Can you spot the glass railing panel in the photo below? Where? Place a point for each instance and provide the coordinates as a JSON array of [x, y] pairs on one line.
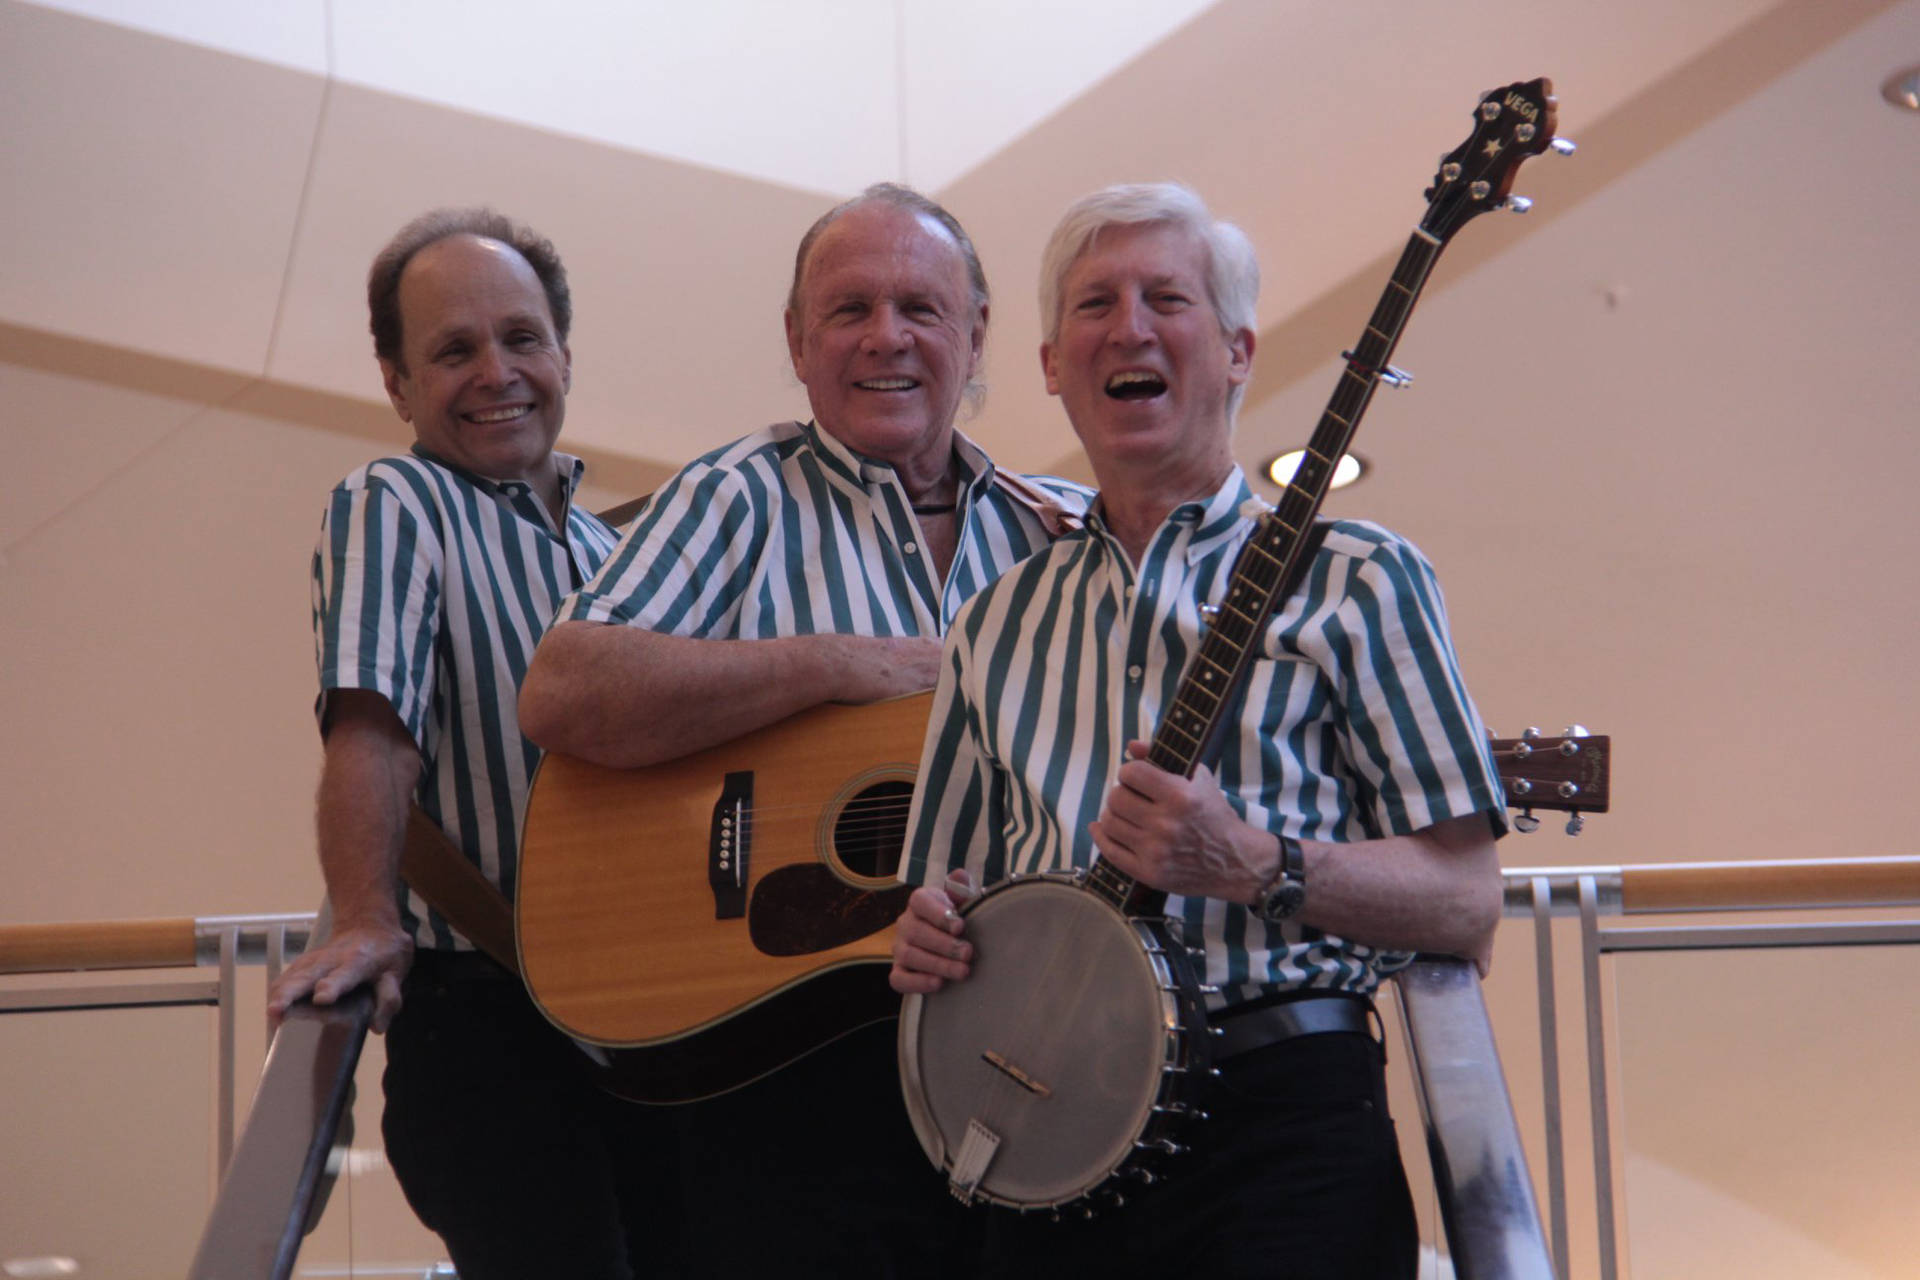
[[106, 1133], [1764, 1137]]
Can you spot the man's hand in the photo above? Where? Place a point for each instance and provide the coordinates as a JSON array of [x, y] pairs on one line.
[[1180, 834], [928, 951], [380, 954]]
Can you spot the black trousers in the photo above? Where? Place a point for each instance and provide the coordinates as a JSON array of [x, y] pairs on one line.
[[1296, 1175], [814, 1171], [504, 1146]]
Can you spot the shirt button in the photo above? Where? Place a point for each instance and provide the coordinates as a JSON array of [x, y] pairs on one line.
[[1134, 673], [912, 548]]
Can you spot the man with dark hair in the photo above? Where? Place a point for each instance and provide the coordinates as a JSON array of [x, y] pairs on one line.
[[808, 563], [1349, 818], [433, 575]]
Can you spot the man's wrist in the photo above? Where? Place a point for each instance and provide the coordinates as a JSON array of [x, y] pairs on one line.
[[1285, 891]]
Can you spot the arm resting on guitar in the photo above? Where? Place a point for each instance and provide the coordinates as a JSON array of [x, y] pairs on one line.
[[625, 696], [1437, 889], [366, 788]]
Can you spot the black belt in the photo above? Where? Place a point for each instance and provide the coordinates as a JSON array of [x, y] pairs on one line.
[[1239, 1031]]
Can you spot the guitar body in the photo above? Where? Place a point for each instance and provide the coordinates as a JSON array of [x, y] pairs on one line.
[[710, 919], [1068, 1057]]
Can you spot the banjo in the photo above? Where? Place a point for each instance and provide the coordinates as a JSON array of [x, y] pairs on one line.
[[1072, 1057]]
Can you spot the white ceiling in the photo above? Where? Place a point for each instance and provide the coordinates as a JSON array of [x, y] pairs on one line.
[[874, 79]]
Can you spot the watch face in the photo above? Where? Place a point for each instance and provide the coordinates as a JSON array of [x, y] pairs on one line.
[[1283, 900]]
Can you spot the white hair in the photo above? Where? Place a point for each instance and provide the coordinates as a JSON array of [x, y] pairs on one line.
[[1233, 271]]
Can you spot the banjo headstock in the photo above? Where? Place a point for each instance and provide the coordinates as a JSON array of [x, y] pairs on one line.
[[1510, 126]]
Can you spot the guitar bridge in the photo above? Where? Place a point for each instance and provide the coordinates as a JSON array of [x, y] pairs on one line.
[[730, 846]]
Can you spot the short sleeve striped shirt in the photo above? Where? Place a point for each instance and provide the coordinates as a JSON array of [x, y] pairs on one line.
[[788, 532], [431, 587], [1357, 723]]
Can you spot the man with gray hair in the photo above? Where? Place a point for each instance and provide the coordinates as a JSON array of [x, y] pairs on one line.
[[809, 563], [1347, 821]]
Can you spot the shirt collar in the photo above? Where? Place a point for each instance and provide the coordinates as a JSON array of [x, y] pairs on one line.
[[971, 461], [1211, 520], [571, 469]]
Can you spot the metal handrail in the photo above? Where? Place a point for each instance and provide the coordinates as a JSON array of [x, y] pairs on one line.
[[1591, 892], [277, 1183], [1480, 1177]]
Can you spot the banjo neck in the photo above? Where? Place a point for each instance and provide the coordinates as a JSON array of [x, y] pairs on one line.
[[1511, 124]]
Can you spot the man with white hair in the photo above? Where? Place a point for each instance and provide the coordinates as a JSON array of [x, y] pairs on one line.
[[1348, 820]]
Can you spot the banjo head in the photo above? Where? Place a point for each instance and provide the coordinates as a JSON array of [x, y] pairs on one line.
[[1031, 1082]]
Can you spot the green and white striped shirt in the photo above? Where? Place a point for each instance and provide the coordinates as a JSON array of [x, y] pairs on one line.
[[788, 532], [1356, 723], [431, 587]]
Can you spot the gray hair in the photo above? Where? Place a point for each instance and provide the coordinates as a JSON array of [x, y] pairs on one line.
[[899, 197], [1233, 271]]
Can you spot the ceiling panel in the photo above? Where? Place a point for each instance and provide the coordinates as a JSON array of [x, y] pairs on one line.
[[156, 183]]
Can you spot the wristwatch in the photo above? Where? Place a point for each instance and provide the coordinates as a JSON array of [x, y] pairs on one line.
[[1283, 895]]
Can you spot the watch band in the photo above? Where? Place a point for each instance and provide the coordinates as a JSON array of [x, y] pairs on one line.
[[1284, 895]]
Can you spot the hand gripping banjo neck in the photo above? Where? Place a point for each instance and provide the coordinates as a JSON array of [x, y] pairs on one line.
[[1072, 1059]]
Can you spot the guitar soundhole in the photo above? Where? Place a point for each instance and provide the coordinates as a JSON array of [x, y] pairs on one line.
[[871, 830]]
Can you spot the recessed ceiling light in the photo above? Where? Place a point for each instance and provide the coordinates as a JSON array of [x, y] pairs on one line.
[[1349, 469], [40, 1268], [1902, 89]]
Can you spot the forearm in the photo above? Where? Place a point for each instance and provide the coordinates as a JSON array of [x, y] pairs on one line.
[[365, 794], [1437, 890], [626, 696], [366, 791]]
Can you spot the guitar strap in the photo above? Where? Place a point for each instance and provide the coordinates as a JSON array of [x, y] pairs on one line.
[[453, 886]]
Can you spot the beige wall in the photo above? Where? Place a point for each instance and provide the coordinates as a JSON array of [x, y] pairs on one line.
[[1661, 448]]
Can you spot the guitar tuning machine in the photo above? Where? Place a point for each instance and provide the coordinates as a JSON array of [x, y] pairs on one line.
[[1526, 824], [1576, 823], [1396, 378], [1563, 146], [1516, 204]]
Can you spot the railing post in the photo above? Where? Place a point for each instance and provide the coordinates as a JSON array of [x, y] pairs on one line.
[[1597, 1077], [1550, 1070], [224, 1067]]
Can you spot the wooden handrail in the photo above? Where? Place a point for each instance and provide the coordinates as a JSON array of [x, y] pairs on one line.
[[1642, 888], [1747, 886], [1849, 882], [98, 944]]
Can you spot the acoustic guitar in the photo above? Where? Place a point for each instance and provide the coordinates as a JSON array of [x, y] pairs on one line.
[[711, 919]]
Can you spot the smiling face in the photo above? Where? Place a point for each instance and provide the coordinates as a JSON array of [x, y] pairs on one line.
[[1140, 362], [482, 376], [887, 334]]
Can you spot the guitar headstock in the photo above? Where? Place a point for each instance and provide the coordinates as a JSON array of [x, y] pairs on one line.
[[1509, 126], [1568, 773]]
